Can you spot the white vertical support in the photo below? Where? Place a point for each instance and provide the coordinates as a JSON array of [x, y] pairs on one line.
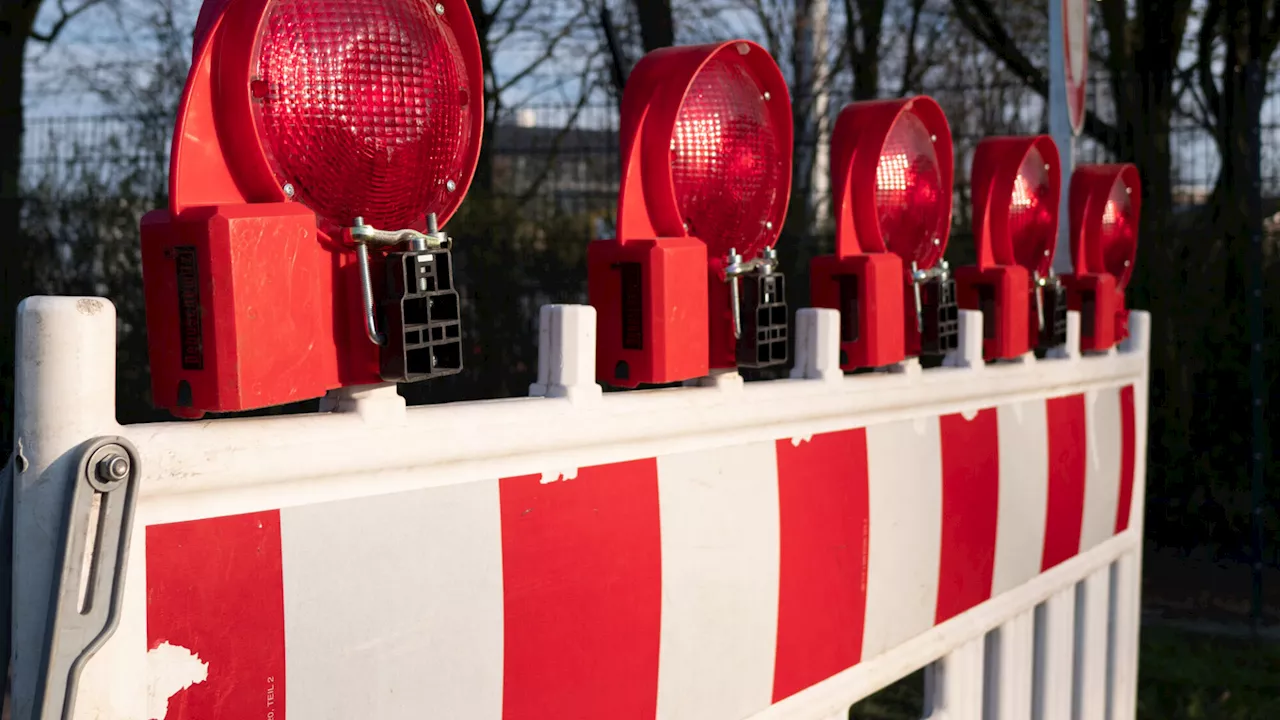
[[1070, 350], [1055, 653], [817, 345], [380, 404], [567, 353], [1125, 622], [64, 386], [1092, 624], [1010, 659], [968, 352], [954, 684], [1139, 339]]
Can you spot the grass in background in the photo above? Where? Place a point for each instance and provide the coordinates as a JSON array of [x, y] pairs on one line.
[[1190, 676], [1182, 675]]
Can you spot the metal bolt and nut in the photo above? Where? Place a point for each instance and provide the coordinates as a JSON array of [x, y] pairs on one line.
[[288, 190], [113, 468], [109, 467]]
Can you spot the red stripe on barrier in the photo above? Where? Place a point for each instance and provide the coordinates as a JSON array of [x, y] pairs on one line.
[[970, 507], [1065, 508], [214, 588], [1128, 457], [582, 575], [822, 584]]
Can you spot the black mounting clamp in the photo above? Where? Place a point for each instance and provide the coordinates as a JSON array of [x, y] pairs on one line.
[[419, 304], [937, 313], [1051, 305], [758, 286]]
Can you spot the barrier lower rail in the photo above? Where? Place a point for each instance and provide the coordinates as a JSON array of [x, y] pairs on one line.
[[723, 550]]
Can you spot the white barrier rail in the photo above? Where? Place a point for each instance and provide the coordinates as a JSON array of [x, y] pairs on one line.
[[726, 550]]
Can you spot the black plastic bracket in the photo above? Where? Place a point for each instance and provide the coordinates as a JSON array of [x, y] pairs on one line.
[[939, 316], [1054, 331], [422, 317], [764, 320]]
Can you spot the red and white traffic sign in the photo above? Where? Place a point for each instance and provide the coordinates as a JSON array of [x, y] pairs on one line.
[[1075, 43]]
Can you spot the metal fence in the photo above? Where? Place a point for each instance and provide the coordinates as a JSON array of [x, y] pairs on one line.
[[564, 158]]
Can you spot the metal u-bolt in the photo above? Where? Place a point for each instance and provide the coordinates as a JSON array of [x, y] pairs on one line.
[[732, 270], [1040, 284], [918, 276], [366, 290]]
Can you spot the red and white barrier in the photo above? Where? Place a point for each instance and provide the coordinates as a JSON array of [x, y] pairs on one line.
[[762, 550]]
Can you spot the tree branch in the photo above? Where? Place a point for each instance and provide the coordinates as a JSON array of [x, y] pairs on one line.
[[1204, 62], [557, 143], [912, 58], [979, 18], [65, 17], [548, 52], [1271, 38]]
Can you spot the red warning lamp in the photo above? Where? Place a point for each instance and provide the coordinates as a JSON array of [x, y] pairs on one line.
[[1016, 184], [1106, 204], [691, 282], [892, 171], [320, 146]]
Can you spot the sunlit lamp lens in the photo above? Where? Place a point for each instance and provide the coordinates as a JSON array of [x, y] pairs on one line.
[[1031, 222], [1119, 232], [362, 107], [726, 163], [910, 203]]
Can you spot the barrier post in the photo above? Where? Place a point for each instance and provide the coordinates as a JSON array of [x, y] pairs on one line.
[[65, 394]]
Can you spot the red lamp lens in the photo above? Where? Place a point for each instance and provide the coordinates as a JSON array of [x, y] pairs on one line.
[[726, 165], [1032, 226], [362, 107], [1119, 233], [910, 200]]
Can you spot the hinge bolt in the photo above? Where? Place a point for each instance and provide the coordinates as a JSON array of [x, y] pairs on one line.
[[113, 469]]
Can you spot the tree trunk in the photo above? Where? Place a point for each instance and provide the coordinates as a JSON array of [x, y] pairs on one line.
[[864, 56], [15, 275], [482, 181], [657, 29]]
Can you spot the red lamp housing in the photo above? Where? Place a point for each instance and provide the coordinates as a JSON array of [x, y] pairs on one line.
[[892, 170], [1106, 204], [706, 137], [301, 119], [1016, 184]]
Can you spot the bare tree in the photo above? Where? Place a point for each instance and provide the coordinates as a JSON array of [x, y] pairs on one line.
[[530, 48], [18, 29]]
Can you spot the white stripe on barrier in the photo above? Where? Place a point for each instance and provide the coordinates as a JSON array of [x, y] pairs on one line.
[[393, 605], [1024, 494], [719, 515], [1102, 472], [904, 480]]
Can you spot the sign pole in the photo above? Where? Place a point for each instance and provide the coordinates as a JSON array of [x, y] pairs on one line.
[[1060, 128]]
